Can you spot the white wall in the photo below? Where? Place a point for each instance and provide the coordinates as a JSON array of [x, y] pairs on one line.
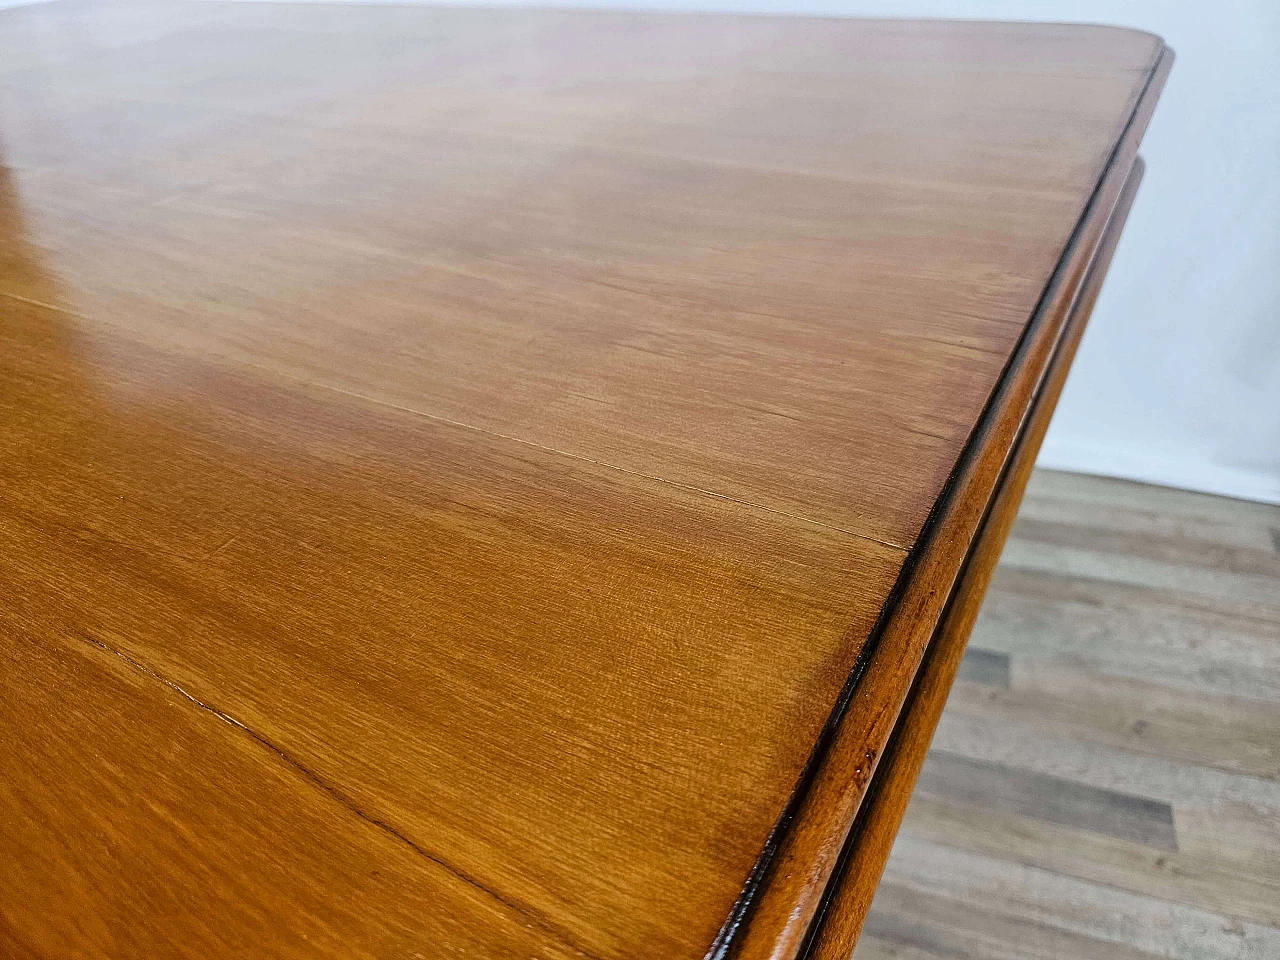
[[1178, 380]]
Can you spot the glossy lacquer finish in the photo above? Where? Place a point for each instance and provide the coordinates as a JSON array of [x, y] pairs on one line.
[[452, 460]]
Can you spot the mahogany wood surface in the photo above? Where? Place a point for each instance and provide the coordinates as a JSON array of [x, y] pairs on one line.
[[471, 480]]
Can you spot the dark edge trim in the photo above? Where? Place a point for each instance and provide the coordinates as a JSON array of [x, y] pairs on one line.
[[726, 939], [892, 744]]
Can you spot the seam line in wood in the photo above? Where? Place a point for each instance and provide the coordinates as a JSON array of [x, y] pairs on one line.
[[340, 797]]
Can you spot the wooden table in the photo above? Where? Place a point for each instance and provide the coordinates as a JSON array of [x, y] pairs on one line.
[[512, 484]]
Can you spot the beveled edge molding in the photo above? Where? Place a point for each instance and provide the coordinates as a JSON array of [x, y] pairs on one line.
[[836, 928], [776, 917]]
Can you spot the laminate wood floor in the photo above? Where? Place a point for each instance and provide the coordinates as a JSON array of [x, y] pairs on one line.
[[1105, 781]]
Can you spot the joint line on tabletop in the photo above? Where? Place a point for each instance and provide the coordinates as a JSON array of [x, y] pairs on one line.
[[328, 788], [692, 488], [41, 303]]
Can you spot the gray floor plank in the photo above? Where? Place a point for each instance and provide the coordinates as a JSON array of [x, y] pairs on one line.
[[1105, 781]]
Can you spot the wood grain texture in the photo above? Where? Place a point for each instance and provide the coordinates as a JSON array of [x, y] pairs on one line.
[[1103, 660], [872, 837], [379, 599], [502, 428], [138, 824], [632, 252], [784, 916]]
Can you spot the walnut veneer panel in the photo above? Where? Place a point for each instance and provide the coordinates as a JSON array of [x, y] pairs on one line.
[[691, 247], [452, 460]]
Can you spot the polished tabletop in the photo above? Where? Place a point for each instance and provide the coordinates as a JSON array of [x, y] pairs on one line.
[[451, 459]]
